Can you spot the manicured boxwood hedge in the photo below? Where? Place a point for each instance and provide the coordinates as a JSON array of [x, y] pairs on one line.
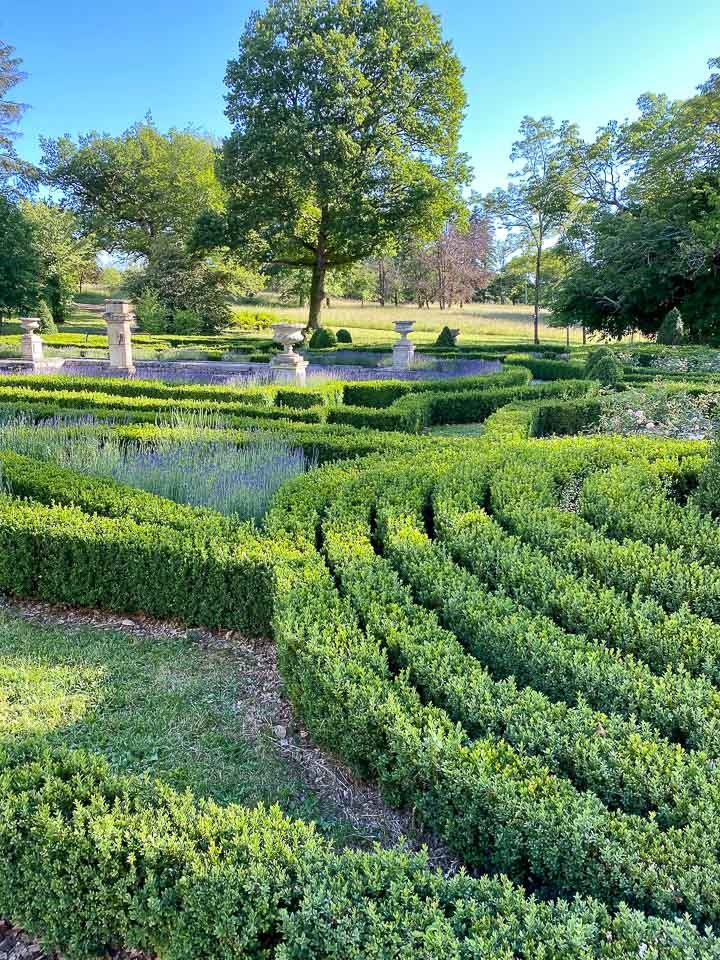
[[62, 554], [503, 810], [95, 401], [544, 369], [530, 746], [629, 766], [323, 395], [381, 393], [126, 862], [417, 411]]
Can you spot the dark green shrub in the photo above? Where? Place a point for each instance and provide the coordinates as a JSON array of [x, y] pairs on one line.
[[322, 339], [671, 331], [47, 324], [447, 338], [603, 365], [344, 336]]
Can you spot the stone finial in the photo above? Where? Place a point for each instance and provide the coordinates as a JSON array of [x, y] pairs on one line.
[[289, 367]]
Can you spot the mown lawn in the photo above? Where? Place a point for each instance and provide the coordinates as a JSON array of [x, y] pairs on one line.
[[161, 706]]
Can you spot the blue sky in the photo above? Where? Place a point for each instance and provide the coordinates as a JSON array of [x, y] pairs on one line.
[[102, 66]]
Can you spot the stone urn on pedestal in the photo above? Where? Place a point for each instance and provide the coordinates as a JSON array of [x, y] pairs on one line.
[[118, 320], [31, 345], [289, 367], [404, 349]]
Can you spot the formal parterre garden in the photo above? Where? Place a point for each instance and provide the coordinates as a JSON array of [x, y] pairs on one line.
[[496, 599]]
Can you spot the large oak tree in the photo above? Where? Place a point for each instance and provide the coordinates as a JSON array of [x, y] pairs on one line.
[[346, 117]]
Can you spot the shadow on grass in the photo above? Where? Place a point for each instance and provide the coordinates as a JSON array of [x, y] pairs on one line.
[[161, 706]]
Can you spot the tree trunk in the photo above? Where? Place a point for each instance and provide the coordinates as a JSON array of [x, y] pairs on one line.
[[567, 338], [584, 335], [317, 286], [536, 321]]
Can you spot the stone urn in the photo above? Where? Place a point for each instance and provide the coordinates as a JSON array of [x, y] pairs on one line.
[[289, 367], [404, 349]]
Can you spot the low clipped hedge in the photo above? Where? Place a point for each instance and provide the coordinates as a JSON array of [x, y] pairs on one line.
[[502, 809], [61, 554], [129, 863], [381, 393], [322, 395], [416, 411], [629, 766], [95, 401], [525, 499], [544, 369]]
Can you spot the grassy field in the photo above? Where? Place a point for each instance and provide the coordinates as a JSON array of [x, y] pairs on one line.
[[373, 325], [478, 323]]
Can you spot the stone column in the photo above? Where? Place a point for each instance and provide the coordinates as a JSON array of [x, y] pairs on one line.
[[31, 345], [289, 367], [118, 319], [404, 349]]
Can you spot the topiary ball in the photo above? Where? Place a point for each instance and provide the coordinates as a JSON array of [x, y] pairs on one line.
[[322, 339], [343, 336]]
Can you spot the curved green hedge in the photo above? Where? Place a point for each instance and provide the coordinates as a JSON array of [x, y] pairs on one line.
[[451, 626]]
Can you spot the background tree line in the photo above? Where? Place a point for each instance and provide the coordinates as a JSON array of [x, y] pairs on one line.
[[342, 177]]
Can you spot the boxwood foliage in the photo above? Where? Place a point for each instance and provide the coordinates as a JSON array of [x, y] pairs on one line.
[[128, 862], [498, 806], [449, 624], [417, 410], [60, 553]]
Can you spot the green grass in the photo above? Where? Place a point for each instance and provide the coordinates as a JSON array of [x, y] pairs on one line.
[[478, 322], [162, 707]]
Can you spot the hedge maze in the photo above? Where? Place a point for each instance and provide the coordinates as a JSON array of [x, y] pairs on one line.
[[515, 636]]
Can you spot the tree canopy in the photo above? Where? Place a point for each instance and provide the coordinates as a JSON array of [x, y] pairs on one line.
[[346, 117], [14, 172], [137, 189], [649, 237], [63, 254], [19, 265], [541, 196]]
